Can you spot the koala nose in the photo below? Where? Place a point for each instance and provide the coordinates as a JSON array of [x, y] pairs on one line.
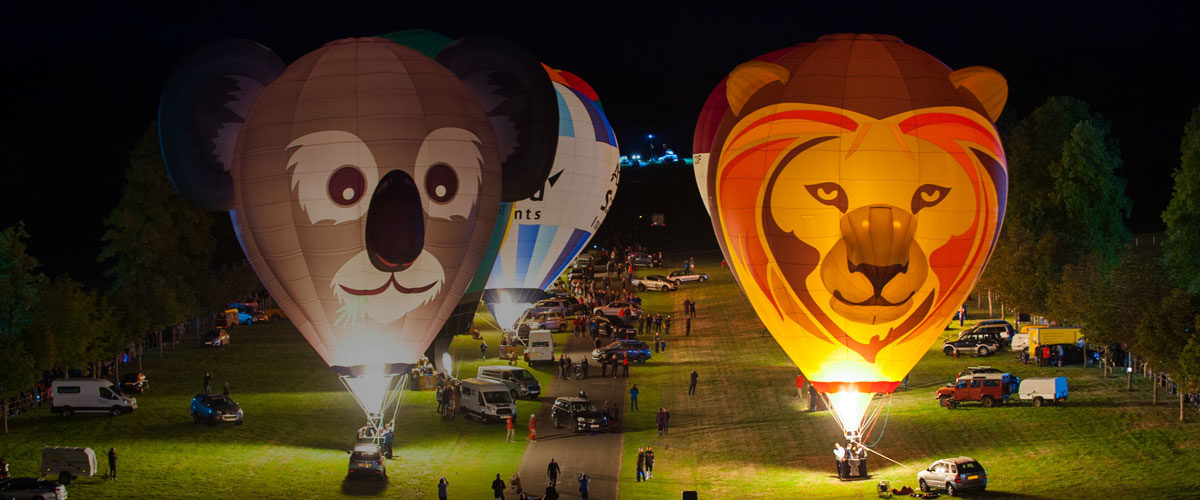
[[877, 239], [395, 232]]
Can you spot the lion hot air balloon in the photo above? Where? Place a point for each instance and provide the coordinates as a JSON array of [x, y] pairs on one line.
[[857, 185], [363, 180]]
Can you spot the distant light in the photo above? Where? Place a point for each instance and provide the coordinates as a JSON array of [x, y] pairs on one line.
[[651, 136]]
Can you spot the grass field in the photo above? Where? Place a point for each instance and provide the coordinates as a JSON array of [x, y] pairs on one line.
[[745, 434], [299, 423]]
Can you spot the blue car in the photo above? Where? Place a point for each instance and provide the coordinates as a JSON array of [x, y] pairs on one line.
[[214, 408]]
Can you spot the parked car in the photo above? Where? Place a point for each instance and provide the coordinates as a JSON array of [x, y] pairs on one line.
[[635, 350], [134, 383], [654, 282], [518, 380], [248, 314], [955, 475], [612, 327], [21, 488], [89, 395], [1042, 391], [976, 370], [216, 338], [981, 344], [366, 458], [989, 389], [274, 314], [552, 304], [614, 308], [549, 320], [68, 462], [572, 304], [682, 276], [541, 347], [998, 326], [579, 414], [214, 408], [644, 260], [487, 400]]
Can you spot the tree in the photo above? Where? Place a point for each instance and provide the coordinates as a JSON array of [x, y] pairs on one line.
[[67, 333], [157, 247], [19, 283], [1182, 215], [1089, 197]]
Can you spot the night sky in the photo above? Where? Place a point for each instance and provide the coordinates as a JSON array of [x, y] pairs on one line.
[[81, 84]]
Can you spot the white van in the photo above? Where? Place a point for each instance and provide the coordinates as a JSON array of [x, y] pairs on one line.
[[1043, 390], [541, 347], [518, 380], [88, 395], [68, 462], [1020, 342], [487, 400]]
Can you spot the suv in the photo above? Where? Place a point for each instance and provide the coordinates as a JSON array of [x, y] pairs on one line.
[[997, 326], [548, 320], [635, 350], [954, 475], [367, 459], [578, 413], [213, 408], [988, 388], [980, 343]]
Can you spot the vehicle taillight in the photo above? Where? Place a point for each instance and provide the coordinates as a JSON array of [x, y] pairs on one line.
[[959, 478]]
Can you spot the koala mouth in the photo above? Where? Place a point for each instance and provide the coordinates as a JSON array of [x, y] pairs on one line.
[[391, 282]]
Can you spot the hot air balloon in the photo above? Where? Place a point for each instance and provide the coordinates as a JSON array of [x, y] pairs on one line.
[[551, 227], [363, 180], [518, 96], [857, 185]]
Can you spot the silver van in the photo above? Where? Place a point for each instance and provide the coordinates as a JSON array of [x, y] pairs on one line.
[[518, 380], [487, 400]]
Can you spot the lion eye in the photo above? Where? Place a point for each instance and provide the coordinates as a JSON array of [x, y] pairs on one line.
[[829, 193], [928, 195]]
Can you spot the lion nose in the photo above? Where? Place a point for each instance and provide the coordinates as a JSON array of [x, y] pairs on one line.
[[395, 232], [878, 238]]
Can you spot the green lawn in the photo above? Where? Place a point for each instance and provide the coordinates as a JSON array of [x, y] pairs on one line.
[[299, 424], [745, 434]]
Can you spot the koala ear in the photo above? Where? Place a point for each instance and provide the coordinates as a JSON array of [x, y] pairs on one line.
[[986, 84], [203, 106], [516, 93], [747, 78]]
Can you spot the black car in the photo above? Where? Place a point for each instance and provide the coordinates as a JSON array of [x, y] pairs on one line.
[[579, 414], [31, 487], [611, 326], [980, 343], [635, 350]]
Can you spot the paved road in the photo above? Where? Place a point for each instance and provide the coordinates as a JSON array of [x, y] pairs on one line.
[[599, 455]]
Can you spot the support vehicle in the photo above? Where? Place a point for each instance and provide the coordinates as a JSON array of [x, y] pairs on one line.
[[578, 414], [487, 400], [68, 462], [88, 395], [366, 459], [518, 380], [541, 347], [1041, 391], [989, 389], [955, 475]]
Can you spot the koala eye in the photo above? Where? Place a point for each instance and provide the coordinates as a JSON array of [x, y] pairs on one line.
[[829, 193], [441, 183], [927, 196], [347, 185]]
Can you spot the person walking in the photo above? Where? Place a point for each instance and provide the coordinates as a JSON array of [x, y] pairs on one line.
[[508, 424], [583, 366], [443, 484], [662, 345], [584, 481], [641, 465], [553, 470], [498, 487], [687, 326], [625, 366], [533, 420], [667, 325], [483, 350], [207, 383], [649, 463], [692, 385], [660, 421], [633, 393], [112, 463]]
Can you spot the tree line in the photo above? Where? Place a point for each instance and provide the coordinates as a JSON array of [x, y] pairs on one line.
[[166, 262], [1067, 255]]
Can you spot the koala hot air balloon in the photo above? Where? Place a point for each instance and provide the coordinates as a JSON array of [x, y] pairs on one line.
[[857, 185], [363, 181]]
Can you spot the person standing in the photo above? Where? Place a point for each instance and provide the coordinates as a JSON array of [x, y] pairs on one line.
[[498, 487], [533, 420], [839, 460], [641, 465], [695, 377], [583, 366], [584, 481], [625, 366], [443, 484], [649, 463], [603, 366], [656, 344], [633, 394], [388, 435], [667, 325], [4, 474], [553, 470], [660, 421], [207, 383], [112, 463], [508, 424], [687, 326], [225, 391], [662, 346], [800, 385], [482, 349]]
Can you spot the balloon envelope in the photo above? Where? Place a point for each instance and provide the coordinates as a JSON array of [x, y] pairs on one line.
[[857, 185]]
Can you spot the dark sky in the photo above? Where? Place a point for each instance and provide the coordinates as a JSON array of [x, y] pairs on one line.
[[81, 84]]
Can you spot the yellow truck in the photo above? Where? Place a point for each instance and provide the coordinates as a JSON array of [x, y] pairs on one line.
[[1051, 335]]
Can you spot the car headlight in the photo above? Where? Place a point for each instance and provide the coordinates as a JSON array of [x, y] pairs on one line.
[[580, 419]]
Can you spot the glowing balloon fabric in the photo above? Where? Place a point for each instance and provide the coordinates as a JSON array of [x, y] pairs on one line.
[[552, 226], [365, 185], [857, 185]]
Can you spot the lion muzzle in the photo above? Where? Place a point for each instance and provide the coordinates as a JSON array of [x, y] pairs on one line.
[[876, 267]]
